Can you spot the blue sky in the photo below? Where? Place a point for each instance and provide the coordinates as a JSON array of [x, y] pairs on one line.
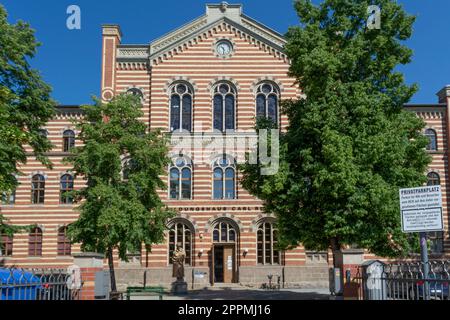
[[69, 60]]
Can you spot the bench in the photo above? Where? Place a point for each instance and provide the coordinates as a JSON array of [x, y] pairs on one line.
[[145, 291]]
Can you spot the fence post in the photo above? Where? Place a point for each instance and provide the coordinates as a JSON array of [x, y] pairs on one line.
[[89, 263]]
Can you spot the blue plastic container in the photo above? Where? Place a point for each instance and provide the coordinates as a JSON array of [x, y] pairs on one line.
[[17, 284]]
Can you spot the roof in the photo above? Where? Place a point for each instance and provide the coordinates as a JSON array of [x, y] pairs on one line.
[[425, 105], [216, 14]]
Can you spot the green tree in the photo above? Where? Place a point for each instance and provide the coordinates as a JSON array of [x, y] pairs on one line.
[[25, 105], [350, 145], [121, 163]]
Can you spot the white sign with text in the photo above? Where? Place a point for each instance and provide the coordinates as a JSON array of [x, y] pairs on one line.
[[421, 209]]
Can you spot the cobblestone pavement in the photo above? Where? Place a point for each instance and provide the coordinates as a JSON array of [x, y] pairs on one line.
[[243, 293]]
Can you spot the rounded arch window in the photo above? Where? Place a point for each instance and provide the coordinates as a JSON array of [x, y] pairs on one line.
[[6, 245], [64, 245], [267, 241], [432, 140], [129, 166], [35, 242], [68, 140], [224, 231], [37, 189], [181, 99], [224, 106], [224, 178], [267, 101], [43, 133], [433, 179], [180, 178], [136, 92], [180, 233], [66, 185]]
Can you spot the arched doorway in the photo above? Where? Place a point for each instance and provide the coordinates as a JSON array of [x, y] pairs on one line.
[[225, 235]]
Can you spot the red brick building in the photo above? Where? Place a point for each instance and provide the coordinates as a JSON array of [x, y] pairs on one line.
[[212, 75]]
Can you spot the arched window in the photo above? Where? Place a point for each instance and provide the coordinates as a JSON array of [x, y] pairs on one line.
[[267, 96], [8, 198], [224, 232], [35, 242], [224, 106], [267, 239], [68, 140], [66, 185], [37, 189], [6, 245], [64, 248], [181, 97], [136, 92], [43, 133], [431, 135], [224, 184], [433, 179], [128, 166], [181, 234], [180, 178]]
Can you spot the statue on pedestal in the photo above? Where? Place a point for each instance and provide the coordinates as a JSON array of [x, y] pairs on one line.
[[179, 286], [178, 263]]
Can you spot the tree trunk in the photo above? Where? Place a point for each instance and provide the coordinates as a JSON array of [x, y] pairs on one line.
[[111, 271], [335, 247]]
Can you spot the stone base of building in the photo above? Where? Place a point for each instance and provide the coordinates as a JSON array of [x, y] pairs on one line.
[[196, 278], [304, 277]]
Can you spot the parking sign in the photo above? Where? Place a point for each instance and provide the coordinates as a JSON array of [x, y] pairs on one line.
[[421, 209]]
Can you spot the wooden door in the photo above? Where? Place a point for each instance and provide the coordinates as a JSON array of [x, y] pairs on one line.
[[228, 264]]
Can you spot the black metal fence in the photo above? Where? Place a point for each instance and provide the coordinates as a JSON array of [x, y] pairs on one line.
[[404, 281], [38, 284]]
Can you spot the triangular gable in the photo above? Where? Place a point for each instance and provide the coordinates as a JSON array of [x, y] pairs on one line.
[[188, 35], [218, 17]]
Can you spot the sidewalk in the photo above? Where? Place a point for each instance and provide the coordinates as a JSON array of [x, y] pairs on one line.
[[244, 293]]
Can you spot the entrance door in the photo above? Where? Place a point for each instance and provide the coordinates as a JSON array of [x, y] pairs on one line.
[[223, 263], [228, 266]]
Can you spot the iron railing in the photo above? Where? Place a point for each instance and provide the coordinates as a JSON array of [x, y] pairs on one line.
[[404, 281], [37, 284]]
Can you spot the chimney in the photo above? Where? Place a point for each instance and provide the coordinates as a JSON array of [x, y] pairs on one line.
[[111, 38]]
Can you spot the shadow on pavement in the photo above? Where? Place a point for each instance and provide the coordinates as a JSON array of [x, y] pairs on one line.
[[249, 294]]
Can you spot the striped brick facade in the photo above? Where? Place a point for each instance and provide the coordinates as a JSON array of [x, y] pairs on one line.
[[188, 55]]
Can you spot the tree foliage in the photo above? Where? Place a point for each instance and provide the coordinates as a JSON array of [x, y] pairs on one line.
[[118, 212], [25, 105], [350, 145]]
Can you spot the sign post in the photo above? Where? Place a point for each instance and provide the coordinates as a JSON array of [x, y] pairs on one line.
[[421, 210], [424, 258]]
